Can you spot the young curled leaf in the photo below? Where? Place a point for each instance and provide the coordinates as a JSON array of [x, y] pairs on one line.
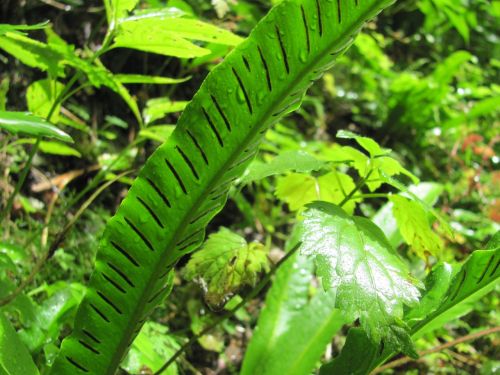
[[225, 264]]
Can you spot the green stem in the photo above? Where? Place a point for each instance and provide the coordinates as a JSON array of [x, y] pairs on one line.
[[22, 178], [358, 186], [368, 196], [229, 313]]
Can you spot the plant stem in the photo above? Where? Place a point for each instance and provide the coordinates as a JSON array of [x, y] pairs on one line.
[[449, 344], [229, 313], [358, 186], [22, 178]]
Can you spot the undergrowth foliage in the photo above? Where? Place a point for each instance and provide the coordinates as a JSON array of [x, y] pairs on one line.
[[384, 270]]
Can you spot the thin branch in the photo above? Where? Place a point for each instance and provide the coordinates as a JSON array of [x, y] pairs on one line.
[[449, 344], [229, 313], [358, 186]]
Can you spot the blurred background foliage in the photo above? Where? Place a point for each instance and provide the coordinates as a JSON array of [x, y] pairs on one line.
[[422, 79]]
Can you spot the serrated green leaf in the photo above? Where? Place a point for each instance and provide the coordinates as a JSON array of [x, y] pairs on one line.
[[415, 228], [296, 161], [28, 124], [14, 357], [398, 185], [5, 27], [300, 189], [40, 97], [355, 259], [33, 53], [226, 263]]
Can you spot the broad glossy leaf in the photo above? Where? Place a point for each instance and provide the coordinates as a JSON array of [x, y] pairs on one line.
[[301, 346], [224, 264], [300, 189], [28, 124], [296, 161], [354, 258], [356, 357], [285, 299], [291, 320], [40, 97], [415, 228], [185, 182], [14, 357]]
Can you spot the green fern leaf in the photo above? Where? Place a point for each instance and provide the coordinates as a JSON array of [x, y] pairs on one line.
[[185, 182]]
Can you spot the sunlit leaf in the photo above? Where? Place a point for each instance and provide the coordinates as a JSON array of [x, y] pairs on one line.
[[159, 107], [5, 27], [300, 189], [415, 228], [428, 192], [58, 148], [477, 277], [159, 133], [355, 259], [33, 53], [41, 96], [296, 161], [168, 34]]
